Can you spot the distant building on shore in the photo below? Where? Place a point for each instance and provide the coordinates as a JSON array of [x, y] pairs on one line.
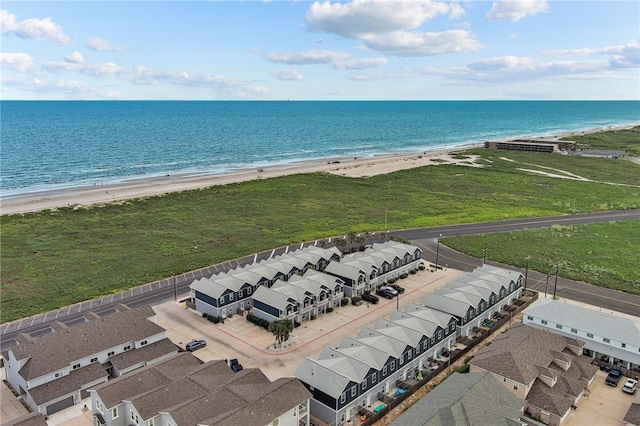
[[532, 145]]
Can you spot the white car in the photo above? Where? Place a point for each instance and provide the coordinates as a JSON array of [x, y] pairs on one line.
[[629, 386]]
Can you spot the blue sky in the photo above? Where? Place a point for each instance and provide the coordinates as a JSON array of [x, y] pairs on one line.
[[324, 50]]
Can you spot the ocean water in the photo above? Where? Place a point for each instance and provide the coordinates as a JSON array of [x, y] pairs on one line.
[[53, 144]]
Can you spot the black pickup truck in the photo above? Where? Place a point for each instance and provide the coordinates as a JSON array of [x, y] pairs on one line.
[[613, 378]]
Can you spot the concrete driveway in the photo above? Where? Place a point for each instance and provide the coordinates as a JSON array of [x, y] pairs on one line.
[[605, 405]]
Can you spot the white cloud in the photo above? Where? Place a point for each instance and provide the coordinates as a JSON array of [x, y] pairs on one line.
[[362, 64], [22, 62], [100, 44], [139, 75], [515, 10], [620, 56], [290, 74], [339, 60], [33, 28], [514, 69], [403, 43], [74, 58], [360, 18], [392, 26], [310, 57]]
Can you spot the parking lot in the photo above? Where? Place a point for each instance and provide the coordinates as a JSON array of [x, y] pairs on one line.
[[604, 405], [253, 346]]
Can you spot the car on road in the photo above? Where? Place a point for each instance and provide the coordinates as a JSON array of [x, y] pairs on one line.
[[629, 386], [613, 377], [387, 292], [371, 298], [195, 345], [397, 288]]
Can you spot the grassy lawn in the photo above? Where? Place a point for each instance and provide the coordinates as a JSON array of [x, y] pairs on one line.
[[56, 258], [604, 254]]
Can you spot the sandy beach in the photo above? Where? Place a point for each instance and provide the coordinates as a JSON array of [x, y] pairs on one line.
[[356, 167], [137, 188]]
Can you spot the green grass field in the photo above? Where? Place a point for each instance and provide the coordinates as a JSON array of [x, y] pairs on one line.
[[55, 258], [604, 254]]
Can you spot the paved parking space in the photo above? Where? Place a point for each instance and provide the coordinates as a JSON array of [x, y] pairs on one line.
[[605, 405], [253, 346]]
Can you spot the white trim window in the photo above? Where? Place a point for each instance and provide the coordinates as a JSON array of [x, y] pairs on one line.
[[114, 413]]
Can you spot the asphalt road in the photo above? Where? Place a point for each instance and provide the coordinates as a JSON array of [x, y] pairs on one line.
[[425, 238]]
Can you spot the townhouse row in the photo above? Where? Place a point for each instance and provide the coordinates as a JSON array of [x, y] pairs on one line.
[[302, 284], [362, 372]]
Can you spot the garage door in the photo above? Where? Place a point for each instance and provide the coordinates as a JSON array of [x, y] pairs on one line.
[[60, 405]]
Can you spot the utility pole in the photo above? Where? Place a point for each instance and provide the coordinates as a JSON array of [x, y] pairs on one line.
[[484, 256], [526, 272], [398, 301], [546, 286], [175, 287], [437, 250], [555, 285]]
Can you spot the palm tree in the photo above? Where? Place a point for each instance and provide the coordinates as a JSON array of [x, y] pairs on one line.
[[281, 329]]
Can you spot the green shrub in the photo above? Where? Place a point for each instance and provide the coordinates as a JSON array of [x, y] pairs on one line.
[[258, 321]]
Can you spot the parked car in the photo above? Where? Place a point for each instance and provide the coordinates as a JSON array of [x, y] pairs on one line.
[[397, 288], [195, 345], [386, 292], [235, 365], [630, 386], [613, 378], [371, 298]]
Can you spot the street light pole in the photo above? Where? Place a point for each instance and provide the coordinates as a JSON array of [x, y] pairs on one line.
[[546, 286], [437, 250], [175, 288], [398, 301], [526, 272], [555, 284]]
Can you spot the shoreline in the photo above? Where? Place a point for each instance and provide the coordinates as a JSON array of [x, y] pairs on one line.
[[81, 196], [141, 187]]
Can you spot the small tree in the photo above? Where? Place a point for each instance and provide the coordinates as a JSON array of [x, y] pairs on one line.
[[281, 329]]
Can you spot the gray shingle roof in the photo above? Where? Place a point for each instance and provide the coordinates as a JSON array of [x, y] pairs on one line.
[[145, 353], [524, 353], [60, 349], [343, 270], [147, 379], [428, 314], [633, 414], [315, 373], [397, 331], [205, 394], [367, 354], [516, 353], [68, 384], [273, 298], [464, 399], [446, 303]]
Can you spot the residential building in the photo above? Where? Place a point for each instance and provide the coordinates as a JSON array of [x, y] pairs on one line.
[[355, 377], [465, 400], [612, 339], [357, 373], [367, 270], [231, 292], [477, 296], [184, 391], [632, 416], [544, 368], [55, 371]]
